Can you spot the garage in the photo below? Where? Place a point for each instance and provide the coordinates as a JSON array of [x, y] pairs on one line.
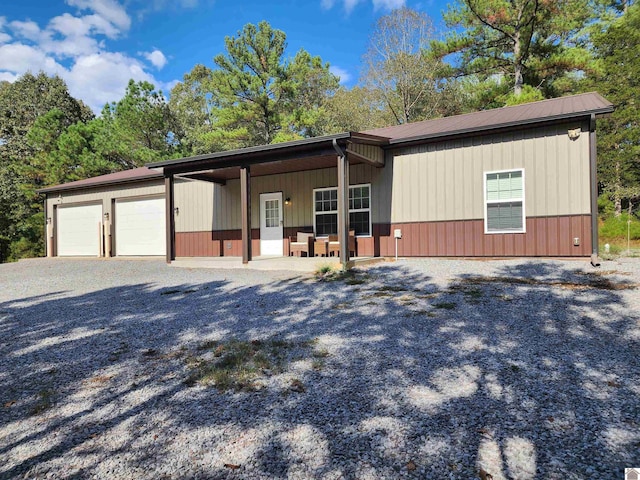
[[140, 226], [79, 229]]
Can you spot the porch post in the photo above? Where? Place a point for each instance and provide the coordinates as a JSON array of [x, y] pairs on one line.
[[170, 219], [343, 208], [245, 202]]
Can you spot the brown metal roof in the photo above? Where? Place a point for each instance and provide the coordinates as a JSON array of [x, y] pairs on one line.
[[312, 152], [125, 176], [573, 106]]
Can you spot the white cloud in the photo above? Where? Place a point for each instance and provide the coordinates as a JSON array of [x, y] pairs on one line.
[[341, 73], [156, 58], [74, 47], [17, 58], [110, 10], [29, 30], [388, 4], [8, 77], [349, 5], [103, 77]]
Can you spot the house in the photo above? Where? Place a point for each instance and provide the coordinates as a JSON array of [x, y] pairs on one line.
[[514, 181]]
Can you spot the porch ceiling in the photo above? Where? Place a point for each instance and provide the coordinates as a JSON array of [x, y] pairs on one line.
[[299, 155], [221, 175]]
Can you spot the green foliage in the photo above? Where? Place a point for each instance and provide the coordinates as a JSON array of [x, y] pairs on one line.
[[192, 105], [400, 70], [606, 207], [137, 129], [355, 110], [24, 101], [528, 94], [253, 96], [34, 111], [617, 77], [616, 227], [534, 42], [30, 241]]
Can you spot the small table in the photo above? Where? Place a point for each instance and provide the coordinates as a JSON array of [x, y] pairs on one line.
[[320, 247]]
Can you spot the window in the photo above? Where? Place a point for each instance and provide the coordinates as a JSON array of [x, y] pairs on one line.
[[504, 202], [272, 213], [325, 210]]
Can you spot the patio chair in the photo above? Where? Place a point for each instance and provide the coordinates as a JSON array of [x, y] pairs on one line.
[[301, 243], [334, 244]]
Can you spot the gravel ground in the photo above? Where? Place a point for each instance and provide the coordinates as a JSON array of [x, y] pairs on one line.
[[430, 369]]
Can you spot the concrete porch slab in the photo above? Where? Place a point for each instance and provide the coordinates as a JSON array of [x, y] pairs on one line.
[[292, 264]]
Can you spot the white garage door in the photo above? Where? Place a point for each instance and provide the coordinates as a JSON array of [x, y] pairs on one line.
[[140, 227], [79, 230]]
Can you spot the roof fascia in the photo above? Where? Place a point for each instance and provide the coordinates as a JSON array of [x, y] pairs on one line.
[[69, 187], [500, 126]]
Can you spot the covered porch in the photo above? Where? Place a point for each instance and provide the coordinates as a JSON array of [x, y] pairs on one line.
[[264, 195]]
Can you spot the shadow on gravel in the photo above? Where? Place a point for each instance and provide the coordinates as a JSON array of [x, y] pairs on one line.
[[521, 379]]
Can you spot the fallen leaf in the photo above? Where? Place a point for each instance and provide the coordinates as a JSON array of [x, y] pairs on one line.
[[613, 383], [411, 466], [484, 431], [9, 403], [551, 419], [232, 466], [485, 475]]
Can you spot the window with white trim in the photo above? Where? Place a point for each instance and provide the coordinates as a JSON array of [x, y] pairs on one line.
[[325, 210], [504, 201]]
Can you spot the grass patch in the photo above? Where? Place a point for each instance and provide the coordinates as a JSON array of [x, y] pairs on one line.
[[592, 282], [237, 365], [354, 277], [392, 288], [446, 305], [328, 272]]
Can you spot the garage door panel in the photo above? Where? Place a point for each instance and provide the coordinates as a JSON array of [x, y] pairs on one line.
[[140, 227], [79, 230]]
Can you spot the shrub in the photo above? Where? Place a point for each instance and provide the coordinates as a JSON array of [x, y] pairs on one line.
[[616, 227]]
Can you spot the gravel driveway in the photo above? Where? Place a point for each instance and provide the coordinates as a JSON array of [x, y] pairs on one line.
[[417, 369]]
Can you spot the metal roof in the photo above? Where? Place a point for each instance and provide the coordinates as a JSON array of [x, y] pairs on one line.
[[274, 149], [125, 176], [562, 108]]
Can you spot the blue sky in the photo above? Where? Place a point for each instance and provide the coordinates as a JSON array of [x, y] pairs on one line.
[[96, 46]]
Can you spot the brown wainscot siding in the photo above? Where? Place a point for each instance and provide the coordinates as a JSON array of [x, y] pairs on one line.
[[225, 243], [545, 237]]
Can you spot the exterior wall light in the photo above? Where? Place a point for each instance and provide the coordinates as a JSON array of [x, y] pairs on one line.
[[106, 216], [287, 201], [574, 133], [48, 220], [176, 210]]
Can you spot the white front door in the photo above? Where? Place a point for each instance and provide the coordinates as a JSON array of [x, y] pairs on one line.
[[271, 229]]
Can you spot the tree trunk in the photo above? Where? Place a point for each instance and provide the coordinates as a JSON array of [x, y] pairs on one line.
[[617, 198], [518, 81]]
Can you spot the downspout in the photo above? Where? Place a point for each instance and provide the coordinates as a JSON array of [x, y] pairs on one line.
[[337, 148], [594, 191]]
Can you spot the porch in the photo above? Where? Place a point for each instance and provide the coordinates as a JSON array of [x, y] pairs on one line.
[[262, 196]]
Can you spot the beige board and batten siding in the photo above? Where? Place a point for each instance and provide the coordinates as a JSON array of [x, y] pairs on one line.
[[444, 181], [105, 194], [204, 206]]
